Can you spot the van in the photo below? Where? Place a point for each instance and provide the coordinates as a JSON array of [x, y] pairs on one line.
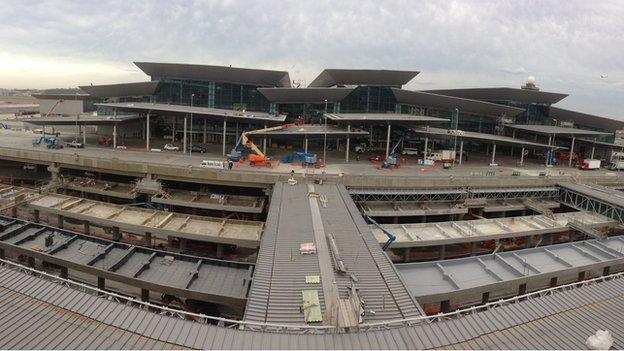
[[211, 164]]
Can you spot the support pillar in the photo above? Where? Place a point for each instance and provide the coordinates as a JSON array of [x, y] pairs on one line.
[[522, 157], [593, 149], [461, 151], [522, 289], [528, 240], [442, 252], [101, 283], [87, 227], [36, 215], [205, 136], [348, 142], [115, 136], [184, 137], [606, 270], [147, 132], [116, 234], [183, 245], [445, 306], [2, 254], [388, 140], [173, 130], [223, 141], [581, 276], [264, 142], [14, 212], [148, 239], [473, 248], [485, 297], [425, 151], [549, 150], [571, 152], [219, 250], [553, 282], [305, 145], [493, 154], [145, 295], [64, 273], [370, 136], [84, 135], [407, 254], [61, 219]]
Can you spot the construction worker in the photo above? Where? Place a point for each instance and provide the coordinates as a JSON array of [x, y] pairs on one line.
[[230, 164]]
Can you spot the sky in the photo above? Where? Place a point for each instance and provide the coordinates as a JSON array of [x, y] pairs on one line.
[[573, 47]]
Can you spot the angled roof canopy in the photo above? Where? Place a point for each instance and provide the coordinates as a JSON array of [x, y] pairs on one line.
[[333, 77], [503, 94], [421, 98], [555, 130], [313, 130], [124, 89], [87, 120], [305, 95], [586, 119], [480, 137], [224, 74], [205, 112]]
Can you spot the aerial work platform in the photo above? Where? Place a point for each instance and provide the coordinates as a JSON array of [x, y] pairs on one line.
[[203, 279], [211, 201], [159, 224], [457, 232], [463, 277], [347, 255]]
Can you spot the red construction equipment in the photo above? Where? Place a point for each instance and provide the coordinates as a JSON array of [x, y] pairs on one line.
[[103, 140]]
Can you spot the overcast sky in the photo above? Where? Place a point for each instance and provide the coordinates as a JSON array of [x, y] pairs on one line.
[[566, 45]]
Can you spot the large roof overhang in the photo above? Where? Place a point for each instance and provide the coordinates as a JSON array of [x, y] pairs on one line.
[[45, 96], [382, 77], [394, 118], [480, 137], [586, 119], [503, 94], [201, 112], [312, 130], [259, 77], [555, 130], [421, 98], [88, 120], [305, 95], [124, 89]]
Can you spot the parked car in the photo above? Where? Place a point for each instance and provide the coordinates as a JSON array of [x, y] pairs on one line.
[[198, 148], [171, 147], [76, 144]]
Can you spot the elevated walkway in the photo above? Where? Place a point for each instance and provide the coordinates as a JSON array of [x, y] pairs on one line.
[[348, 261]]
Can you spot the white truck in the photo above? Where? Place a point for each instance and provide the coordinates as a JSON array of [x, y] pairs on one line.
[[589, 164], [616, 165]]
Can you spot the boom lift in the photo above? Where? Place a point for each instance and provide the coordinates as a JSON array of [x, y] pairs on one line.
[[60, 101], [391, 160]]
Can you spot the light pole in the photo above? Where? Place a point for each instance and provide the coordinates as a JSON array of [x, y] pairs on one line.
[[191, 141], [325, 135], [456, 125]]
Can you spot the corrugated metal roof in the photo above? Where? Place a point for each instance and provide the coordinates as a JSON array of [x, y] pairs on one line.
[[382, 77], [503, 94], [421, 98], [223, 74], [586, 119], [561, 320], [123, 89]]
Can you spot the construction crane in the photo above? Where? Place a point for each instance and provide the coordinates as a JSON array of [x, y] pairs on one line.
[[60, 101], [257, 158]]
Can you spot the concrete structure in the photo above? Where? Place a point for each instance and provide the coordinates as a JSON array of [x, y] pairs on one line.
[[600, 199], [159, 224], [98, 187], [211, 201], [466, 280], [64, 104]]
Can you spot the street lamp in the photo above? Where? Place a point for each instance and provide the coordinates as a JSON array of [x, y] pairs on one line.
[[191, 131], [325, 136]]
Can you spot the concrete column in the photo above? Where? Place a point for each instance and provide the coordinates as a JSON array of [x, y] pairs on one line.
[[493, 154], [64, 273], [571, 152], [305, 144], [426, 144], [593, 149], [407, 253], [115, 136], [528, 241], [264, 142], [553, 282], [147, 132], [84, 135], [116, 234], [522, 157], [442, 252], [461, 151], [513, 136], [549, 150], [144, 295], [101, 283], [173, 130], [522, 289], [370, 136], [61, 219], [205, 130], [224, 134], [348, 142], [473, 248], [87, 227], [388, 141], [183, 245], [219, 250], [184, 137], [148, 239], [36, 215], [445, 306], [485, 297]]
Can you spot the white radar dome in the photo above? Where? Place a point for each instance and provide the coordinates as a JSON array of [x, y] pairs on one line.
[[531, 80]]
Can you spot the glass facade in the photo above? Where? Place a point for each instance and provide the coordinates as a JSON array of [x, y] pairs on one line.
[[211, 94], [312, 113], [369, 99]]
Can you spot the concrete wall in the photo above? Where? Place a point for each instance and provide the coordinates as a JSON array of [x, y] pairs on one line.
[[67, 107]]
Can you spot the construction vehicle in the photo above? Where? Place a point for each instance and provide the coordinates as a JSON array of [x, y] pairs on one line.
[[306, 158], [53, 144], [104, 140], [391, 161], [257, 158], [589, 164], [41, 140], [58, 102]]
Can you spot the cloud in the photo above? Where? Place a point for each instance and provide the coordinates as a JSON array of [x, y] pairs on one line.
[[567, 45]]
